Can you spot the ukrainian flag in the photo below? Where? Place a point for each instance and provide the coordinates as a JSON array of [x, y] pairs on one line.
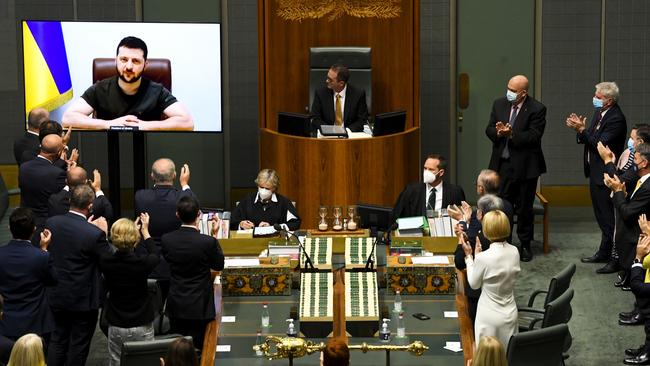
[[47, 75]]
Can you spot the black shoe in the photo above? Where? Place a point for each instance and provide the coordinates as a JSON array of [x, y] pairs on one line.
[[633, 352], [641, 359], [627, 314], [594, 259], [622, 281], [526, 254], [610, 267], [637, 319]]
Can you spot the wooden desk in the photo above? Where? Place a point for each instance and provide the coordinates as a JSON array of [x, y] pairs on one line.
[[316, 172]]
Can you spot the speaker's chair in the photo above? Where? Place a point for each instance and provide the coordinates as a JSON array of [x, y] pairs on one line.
[[158, 70], [356, 59]]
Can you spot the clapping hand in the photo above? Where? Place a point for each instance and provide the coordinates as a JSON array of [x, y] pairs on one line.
[[643, 247], [644, 224], [216, 225], [576, 122], [605, 153], [100, 223], [46, 239], [613, 183], [503, 130], [184, 178]]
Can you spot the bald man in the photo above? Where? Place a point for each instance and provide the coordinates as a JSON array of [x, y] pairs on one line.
[[160, 203], [59, 203], [39, 178], [516, 128], [28, 144]]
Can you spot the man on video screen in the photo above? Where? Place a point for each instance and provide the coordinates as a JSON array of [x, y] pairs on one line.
[[128, 100]]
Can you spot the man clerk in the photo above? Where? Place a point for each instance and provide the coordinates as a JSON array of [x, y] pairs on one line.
[[516, 127]]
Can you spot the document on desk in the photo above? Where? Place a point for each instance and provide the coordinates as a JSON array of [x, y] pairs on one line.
[[434, 259], [241, 262], [453, 346]]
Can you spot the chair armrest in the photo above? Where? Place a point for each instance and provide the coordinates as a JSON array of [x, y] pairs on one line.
[[530, 310], [531, 326], [531, 299], [14, 191], [542, 199]]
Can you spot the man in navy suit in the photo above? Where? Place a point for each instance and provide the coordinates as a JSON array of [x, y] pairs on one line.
[[160, 203], [76, 248], [39, 178], [191, 255], [430, 195], [25, 272], [29, 143], [608, 127], [516, 127], [339, 103], [6, 344]]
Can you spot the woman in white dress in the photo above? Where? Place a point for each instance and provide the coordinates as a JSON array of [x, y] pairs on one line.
[[495, 272]]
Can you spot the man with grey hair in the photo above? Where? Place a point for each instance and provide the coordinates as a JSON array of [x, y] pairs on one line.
[[160, 203], [607, 126], [29, 141]]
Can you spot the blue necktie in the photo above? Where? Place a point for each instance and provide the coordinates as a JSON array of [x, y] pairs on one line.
[[505, 154]]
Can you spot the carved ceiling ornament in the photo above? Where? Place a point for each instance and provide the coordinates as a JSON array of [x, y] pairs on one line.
[[333, 9]]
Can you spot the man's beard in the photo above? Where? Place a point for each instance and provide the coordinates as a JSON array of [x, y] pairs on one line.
[[133, 80]]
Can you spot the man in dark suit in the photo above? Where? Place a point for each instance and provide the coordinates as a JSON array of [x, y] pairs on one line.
[[516, 126], [59, 203], [6, 344], [339, 103], [76, 248], [160, 203], [191, 255], [641, 290], [607, 126], [432, 194], [39, 178], [25, 271], [29, 141], [628, 209]]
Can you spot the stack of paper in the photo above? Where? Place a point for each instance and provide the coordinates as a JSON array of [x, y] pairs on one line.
[[411, 226]]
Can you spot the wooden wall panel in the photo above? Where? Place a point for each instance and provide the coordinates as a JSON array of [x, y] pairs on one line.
[[284, 59]]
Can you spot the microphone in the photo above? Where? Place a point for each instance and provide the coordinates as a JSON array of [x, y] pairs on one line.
[[385, 238], [369, 262], [281, 229]]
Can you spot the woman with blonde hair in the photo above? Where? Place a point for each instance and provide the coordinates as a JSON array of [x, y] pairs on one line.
[[490, 352], [129, 308], [495, 272], [27, 351]]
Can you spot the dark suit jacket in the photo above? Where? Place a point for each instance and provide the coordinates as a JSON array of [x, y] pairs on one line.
[[627, 216], [640, 289], [25, 147], [6, 345], [612, 133], [412, 200], [160, 203], [38, 179], [76, 249], [125, 275], [525, 143], [59, 204], [25, 271], [355, 109], [191, 255]]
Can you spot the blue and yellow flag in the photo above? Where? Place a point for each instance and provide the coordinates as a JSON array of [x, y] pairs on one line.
[[47, 75]]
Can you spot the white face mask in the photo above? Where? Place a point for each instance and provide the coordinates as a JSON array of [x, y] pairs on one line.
[[511, 96], [264, 193], [428, 176]]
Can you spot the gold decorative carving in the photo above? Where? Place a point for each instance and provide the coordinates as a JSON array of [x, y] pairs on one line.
[[333, 9]]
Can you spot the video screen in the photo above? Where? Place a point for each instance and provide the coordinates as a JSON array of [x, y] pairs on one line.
[[177, 87]]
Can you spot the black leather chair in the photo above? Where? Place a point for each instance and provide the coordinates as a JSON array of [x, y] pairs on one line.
[[540, 347], [356, 59], [557, 311], [557, 286], [158, 70], [145, 353]]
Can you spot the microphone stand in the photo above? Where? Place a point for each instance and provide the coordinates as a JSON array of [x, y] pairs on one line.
[[287, 233]]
